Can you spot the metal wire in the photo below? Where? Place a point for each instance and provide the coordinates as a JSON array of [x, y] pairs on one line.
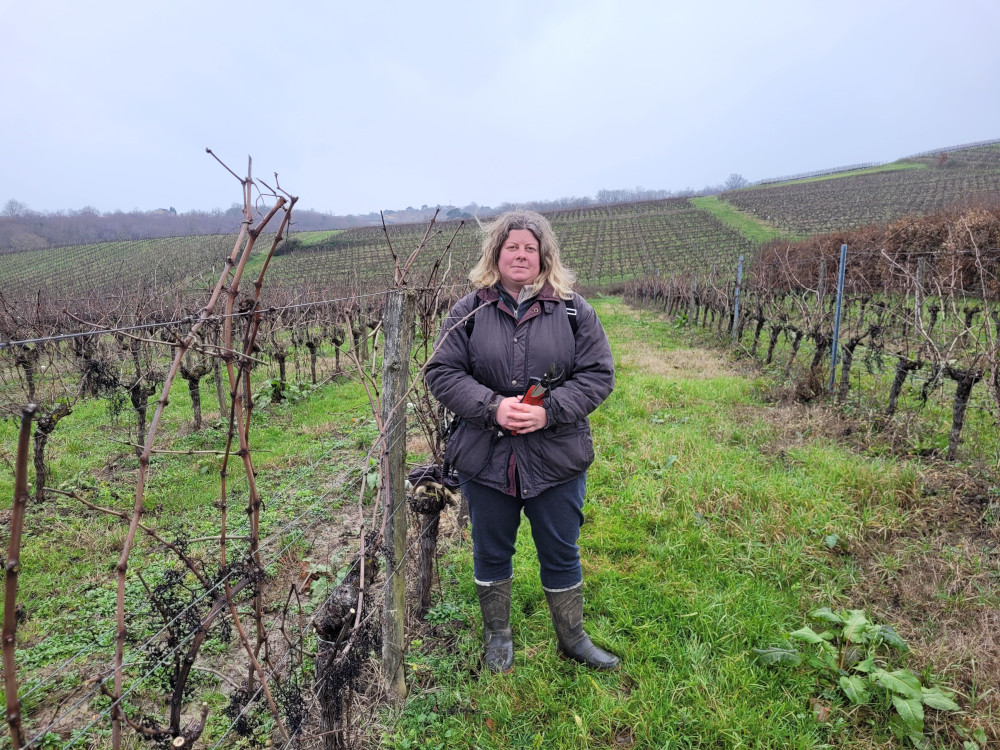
[[186, 319]]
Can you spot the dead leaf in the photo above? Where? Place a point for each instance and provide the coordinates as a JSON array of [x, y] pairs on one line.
[[821, 710]]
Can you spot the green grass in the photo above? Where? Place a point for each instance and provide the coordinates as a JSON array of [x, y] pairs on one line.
[[706, 536], [704, 539], [307, 239], [749, 226]]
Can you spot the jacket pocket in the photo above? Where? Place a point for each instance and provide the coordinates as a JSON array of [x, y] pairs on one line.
[[472, 452], [588, 447], [561, 430], [562, 453]]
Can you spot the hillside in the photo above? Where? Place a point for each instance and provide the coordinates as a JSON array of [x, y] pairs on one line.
[[734, 498], [913, 186], [606, 245]]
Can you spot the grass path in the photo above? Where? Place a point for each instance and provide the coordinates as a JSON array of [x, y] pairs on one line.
[[749, 226], [707, 532]]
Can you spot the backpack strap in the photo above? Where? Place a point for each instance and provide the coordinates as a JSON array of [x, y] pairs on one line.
[[470, 322], [574, 322]]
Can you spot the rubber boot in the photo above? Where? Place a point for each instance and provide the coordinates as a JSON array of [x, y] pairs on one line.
[[566, 608], [494, 601]]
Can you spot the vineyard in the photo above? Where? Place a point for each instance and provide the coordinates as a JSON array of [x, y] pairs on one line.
[[897, 326], [605, 245], [850, 201], [210, 550], [916, 301], [73, 272], [188, 565]]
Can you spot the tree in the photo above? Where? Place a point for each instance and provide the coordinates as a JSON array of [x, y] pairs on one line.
[[14, 208], [735, 182]]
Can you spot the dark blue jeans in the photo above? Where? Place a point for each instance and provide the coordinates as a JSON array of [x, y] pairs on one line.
[[555, 517]]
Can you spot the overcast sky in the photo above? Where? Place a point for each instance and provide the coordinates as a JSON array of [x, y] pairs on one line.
[[381, 105]]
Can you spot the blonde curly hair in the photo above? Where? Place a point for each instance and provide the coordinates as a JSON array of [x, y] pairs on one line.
[[486, 272]]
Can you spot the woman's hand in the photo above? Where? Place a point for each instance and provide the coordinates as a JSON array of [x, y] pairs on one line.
[[520, 418]]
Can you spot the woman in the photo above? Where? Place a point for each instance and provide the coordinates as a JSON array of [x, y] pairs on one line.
[[512, 456]]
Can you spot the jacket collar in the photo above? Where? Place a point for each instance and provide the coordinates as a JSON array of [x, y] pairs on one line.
[[489, 294]]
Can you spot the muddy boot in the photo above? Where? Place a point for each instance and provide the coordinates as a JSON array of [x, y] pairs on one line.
[[494, 601], [566, 608]]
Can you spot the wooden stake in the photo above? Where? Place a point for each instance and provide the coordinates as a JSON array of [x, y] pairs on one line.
[[398, 319]]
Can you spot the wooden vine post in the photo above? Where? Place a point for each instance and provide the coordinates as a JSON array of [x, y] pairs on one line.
[[11, 570], [692, 304], [398, 321]]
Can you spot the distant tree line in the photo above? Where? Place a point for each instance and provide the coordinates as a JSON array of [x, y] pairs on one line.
[[22, 229], [733, 182]]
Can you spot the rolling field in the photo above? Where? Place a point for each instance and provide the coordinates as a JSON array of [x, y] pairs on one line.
[[874, 196], [105, 265], [605, 245]]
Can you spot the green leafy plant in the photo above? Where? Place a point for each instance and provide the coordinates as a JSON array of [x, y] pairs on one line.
[[661, 470], [443, 613], [972, 739], [275, 391], [852, 655]]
